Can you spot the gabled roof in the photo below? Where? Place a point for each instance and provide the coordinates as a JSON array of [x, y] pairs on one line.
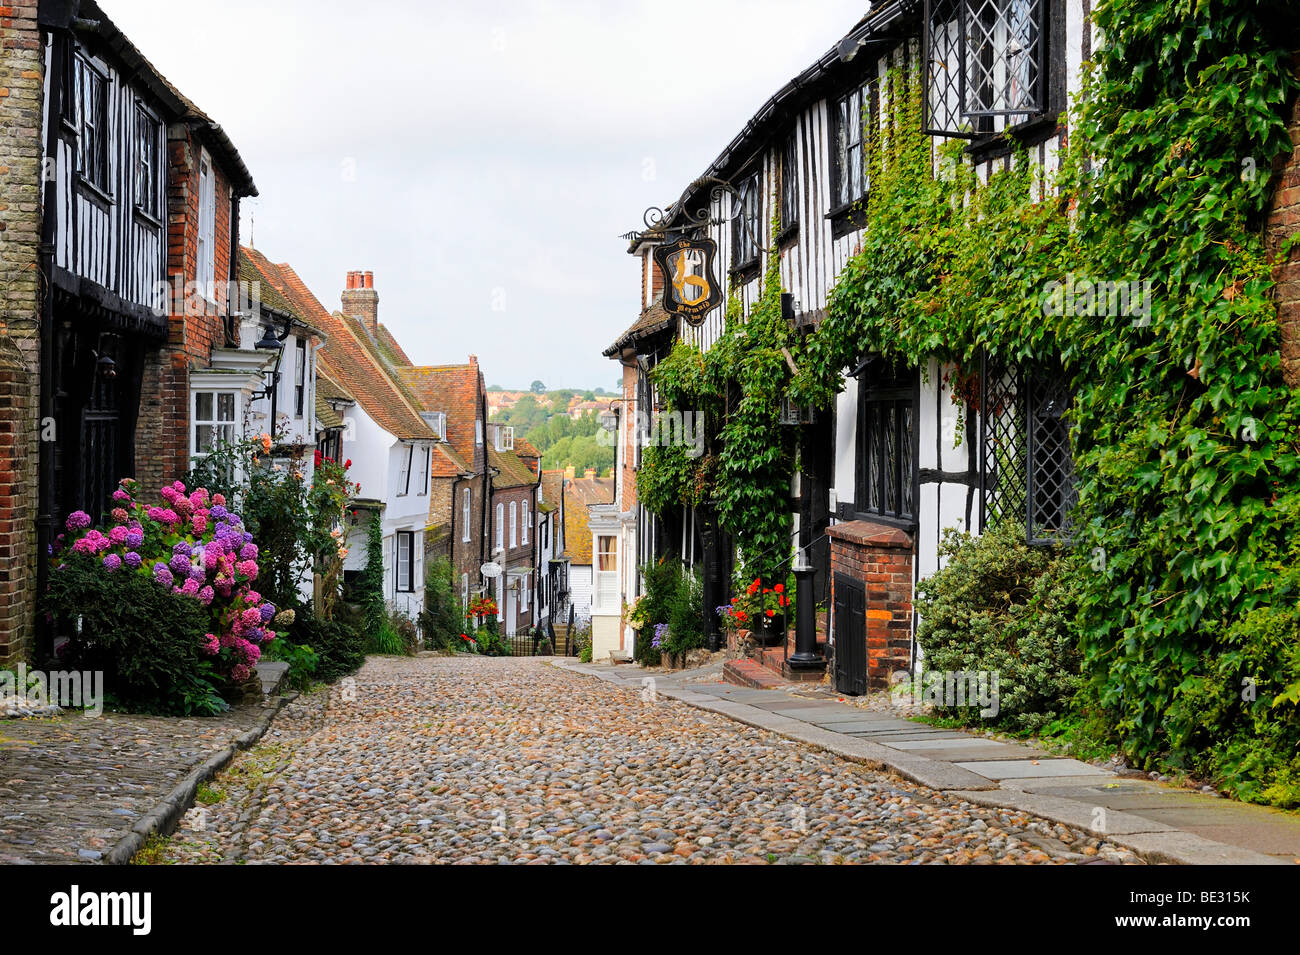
[[579, 495], [389, 348], [453, 390], [349, 357]]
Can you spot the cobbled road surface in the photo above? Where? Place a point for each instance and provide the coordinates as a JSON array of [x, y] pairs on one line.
[[475, 760]]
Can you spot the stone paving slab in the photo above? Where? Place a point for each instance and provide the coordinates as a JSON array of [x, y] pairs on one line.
[[1028, 768], [856, 727], [960, 754]]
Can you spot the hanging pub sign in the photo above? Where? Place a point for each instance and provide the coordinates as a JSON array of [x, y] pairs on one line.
[[690, 290]]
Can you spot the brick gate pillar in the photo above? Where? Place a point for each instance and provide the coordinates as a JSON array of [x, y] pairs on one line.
[[881, 557]]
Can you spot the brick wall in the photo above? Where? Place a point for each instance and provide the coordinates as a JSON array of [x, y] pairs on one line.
[[1283, 221], [163, 436], [467, 556], [881, 557], [360, 301], [22, 73]]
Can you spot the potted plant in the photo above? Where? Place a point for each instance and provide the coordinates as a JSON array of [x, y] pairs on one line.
[[761, 610]]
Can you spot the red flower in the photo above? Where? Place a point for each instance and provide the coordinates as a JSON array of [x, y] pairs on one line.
[[770, 613], [779, 588], [753, 588], [348, 464], [784, 601], [318, 457]]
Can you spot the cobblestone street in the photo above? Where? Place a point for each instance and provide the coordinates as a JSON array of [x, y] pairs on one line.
[[441, 759]]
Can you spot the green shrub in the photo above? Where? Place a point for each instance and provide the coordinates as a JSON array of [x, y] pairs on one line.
[[685, 617], [145, 639], [1002, 606], [339, 646], [442, 620], [302, 660]]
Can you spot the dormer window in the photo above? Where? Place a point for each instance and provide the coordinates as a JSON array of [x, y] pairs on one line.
[[504, 438], [437, 422]]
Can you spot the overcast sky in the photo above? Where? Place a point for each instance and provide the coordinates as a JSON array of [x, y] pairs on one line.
[[481, 158]]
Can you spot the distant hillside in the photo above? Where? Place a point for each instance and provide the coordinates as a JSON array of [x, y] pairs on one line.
[[563, 424]]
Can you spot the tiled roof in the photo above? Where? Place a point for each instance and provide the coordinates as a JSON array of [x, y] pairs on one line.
[[526, 449], [552, 488], [653, 319], [325, 415], [579, 495], [514, 472], [267, 293], [445, 463], [453, 390], [389, 348], [350, 357], [328, 388]]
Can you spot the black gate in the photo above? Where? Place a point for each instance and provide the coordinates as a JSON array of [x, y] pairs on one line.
[[850, 635]]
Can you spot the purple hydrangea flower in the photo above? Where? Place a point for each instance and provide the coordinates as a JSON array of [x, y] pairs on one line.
[[181, 547], [218, 512], [248, 551], [268, 611], [134, 539], [133, 560], [112, 562], [77, 521], [161, 574], [180, 565], [206, 595]]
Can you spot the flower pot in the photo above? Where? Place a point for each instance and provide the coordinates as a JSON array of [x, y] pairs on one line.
[[769, 631]]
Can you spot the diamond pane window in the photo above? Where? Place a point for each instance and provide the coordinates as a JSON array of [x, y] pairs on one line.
[[1002, 55], [1052, 490], [984, 59]]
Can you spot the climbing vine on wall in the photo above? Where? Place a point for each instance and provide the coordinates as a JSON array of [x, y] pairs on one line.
[[737, 386]]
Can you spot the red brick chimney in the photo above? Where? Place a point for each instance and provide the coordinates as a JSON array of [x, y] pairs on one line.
[[361, 301]]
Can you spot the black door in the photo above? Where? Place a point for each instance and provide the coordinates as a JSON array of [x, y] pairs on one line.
[[850, 636]]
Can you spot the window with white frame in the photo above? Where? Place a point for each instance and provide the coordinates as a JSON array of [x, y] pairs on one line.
[[422, 471], [746, 225], [405, 580], [606, 571], [478, 430], [206, 252], [437, 422], [464, 591], [213, 421], [406, 453], [505, 437], [466, 512], [524, 592], [514, 524], [299, 376], [524, 523], [501, 526]]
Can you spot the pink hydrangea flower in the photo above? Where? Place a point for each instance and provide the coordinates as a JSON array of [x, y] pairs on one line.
[[247, 567], [211, 645]]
